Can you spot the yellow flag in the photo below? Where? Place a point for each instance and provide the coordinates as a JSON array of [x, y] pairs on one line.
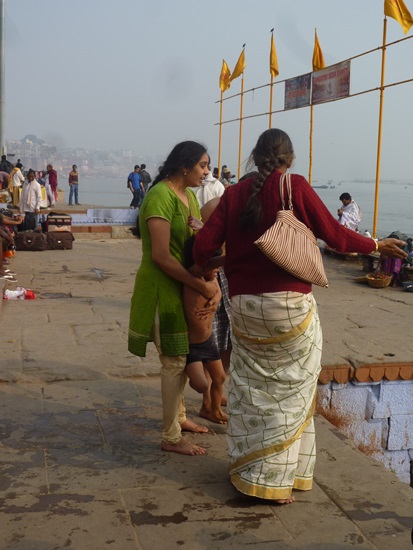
[[318, 57], [224, 77], [273, 60], [398, 11], [239, 67]]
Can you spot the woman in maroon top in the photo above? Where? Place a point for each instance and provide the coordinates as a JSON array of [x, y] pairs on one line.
[[276, 333], [52, 178]]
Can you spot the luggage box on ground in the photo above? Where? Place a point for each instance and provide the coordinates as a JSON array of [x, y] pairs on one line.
[[30, 240], [59, 240], [59, 222]]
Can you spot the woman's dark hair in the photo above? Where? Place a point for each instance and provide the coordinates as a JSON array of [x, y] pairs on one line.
[[184, 155], [248, 175], [274, 149], [136, 230]]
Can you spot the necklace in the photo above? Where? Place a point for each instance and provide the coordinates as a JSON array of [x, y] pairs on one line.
[[171, 185], [182, 196]]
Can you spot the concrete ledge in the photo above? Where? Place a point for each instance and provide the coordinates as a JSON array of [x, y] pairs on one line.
[[91, 229], [102, 232]]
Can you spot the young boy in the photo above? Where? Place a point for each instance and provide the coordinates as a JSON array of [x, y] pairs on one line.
[[203, 350]]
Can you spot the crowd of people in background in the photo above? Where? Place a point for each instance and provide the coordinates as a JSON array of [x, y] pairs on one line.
[[13, 177], [24, 194]]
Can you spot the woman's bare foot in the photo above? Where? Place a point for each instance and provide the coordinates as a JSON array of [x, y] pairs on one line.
[[189, 426], [183, 447], [217, 417], [289, 500]]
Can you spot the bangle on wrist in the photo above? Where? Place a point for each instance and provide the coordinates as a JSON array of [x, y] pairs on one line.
[[376, 243]]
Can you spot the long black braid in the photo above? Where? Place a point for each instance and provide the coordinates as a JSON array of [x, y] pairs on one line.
[[273, 150]]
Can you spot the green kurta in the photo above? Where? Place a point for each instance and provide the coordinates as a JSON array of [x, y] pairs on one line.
[[154, 288]]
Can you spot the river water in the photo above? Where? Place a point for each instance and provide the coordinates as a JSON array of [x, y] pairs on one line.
[[394, 211]]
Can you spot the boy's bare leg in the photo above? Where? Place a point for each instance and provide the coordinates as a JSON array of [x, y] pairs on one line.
[[225, 358], [197, 379], [217, 374], [206, 398]]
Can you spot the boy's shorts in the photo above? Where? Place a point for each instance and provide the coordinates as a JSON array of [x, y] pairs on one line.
[[205, 352]]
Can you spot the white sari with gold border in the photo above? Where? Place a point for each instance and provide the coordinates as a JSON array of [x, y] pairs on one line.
[[275, 362]]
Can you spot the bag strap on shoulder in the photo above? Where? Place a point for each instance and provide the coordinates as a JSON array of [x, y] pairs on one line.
[[287, 178]]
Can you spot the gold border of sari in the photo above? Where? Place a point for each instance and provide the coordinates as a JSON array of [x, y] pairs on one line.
[[270, 493], [293, 333]]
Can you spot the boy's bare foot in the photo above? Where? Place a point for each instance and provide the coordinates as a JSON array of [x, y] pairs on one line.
[[218, 417], [183, 447], [289, 500], [189, 426]]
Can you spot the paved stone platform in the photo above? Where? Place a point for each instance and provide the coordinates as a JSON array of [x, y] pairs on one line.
[[80, 420]]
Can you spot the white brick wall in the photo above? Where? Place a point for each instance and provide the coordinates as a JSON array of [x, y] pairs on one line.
[[401, 432], [378, 417], [351, 401], [395, 398]]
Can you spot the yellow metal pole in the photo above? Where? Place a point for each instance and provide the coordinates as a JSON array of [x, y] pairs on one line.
[[240, 127], [310, 166], [220, 135], [271, 90], [383, 68]]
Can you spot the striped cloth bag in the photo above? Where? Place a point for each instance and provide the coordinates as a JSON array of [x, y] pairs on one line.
[[291, 244]]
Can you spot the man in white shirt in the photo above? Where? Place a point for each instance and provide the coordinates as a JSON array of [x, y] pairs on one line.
[[30, 201], [350, 214], [210, 188]]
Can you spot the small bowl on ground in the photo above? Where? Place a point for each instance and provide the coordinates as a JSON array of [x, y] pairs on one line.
[[379, 279]]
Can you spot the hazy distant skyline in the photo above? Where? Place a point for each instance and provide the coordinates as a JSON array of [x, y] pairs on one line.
[[144, 75]]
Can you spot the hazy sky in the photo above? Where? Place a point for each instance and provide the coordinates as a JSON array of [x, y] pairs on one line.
[[143, 75]]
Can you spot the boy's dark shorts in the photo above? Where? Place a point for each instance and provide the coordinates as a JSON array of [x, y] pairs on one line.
[[205, 352]]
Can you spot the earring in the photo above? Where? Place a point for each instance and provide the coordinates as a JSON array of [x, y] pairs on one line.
[[185, 173]]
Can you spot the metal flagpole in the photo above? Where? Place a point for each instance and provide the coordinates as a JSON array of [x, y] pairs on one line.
[[310, 167], [383, 69], [240, 127], [271, 85], [271, 90], [220, 135]]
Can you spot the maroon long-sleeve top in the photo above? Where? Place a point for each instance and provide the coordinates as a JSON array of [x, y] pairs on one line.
[[248, 270]]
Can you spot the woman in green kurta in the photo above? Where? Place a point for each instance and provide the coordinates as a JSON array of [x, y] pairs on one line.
[[156, 308]]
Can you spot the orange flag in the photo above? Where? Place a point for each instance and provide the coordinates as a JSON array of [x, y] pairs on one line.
[[273, 60], [239, 67], [396, 9], [224, 77], [318, 57]]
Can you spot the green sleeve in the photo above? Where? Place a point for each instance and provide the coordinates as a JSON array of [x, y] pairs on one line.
[[159, 203]]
